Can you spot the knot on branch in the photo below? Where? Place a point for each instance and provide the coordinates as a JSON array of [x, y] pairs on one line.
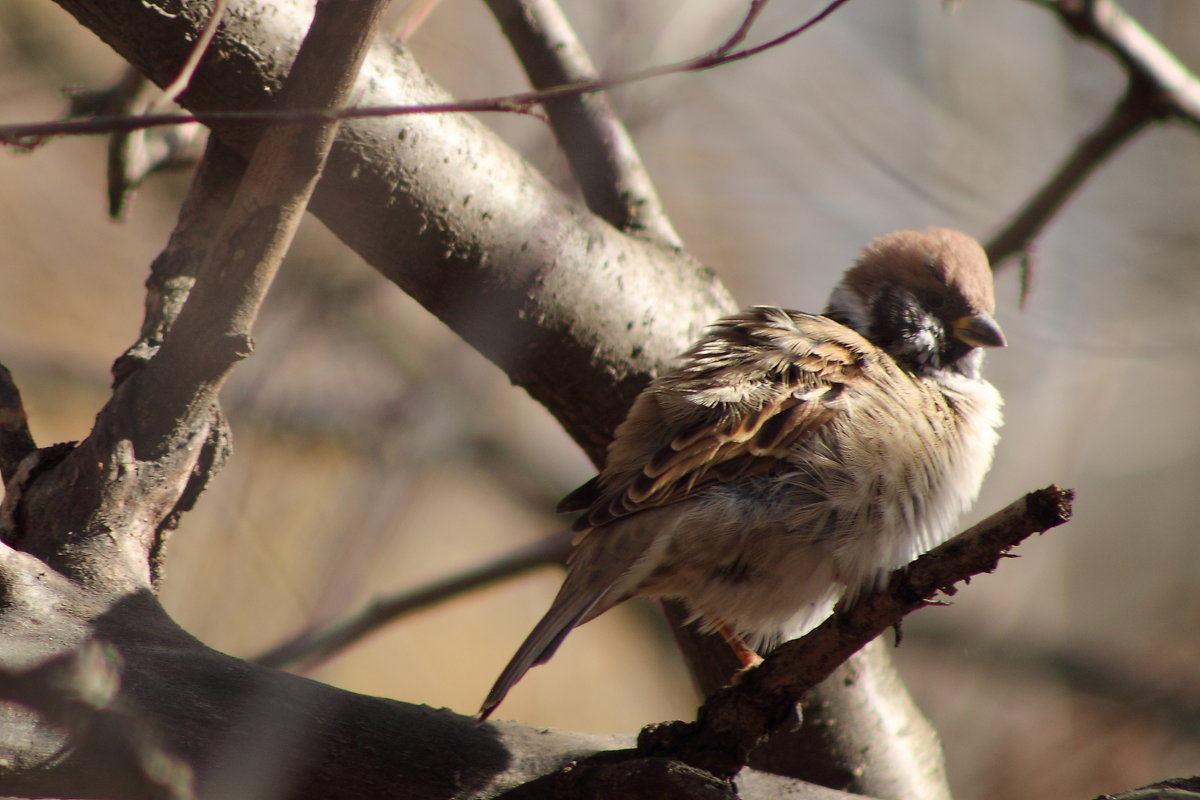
[[34, 464], [1051, 506], [238, 346], [732, 722]]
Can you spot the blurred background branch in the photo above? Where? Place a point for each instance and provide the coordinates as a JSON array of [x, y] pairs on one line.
[[1160, 89], [308, 648]]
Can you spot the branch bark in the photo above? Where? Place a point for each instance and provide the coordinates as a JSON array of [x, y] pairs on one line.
[[736, 718], [129, 476], [597, 145], [443, 208]]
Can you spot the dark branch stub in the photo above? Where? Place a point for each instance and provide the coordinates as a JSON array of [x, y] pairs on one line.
[[16, 442]]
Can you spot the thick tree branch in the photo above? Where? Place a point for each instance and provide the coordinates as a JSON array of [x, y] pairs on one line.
[[172, 275], [120, 703], [137, 468], [597, 145], [213, 330]]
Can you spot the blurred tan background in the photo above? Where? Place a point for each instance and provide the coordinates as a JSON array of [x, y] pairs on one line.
[[374, 451]]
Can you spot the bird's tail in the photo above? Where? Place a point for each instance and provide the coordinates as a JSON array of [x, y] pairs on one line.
[[570, 608]]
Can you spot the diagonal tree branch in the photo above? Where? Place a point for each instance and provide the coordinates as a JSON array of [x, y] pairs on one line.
[[458, 221], [1137, 109], [1160, 88], [597, 145], [734, 719], [213, 330], [137, 467], [1106, 24]]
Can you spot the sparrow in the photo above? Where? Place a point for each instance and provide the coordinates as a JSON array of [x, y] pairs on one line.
[[791, 460]]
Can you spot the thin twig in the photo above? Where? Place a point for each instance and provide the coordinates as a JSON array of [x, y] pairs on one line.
[[311, 647], [171, 92], [29, 135], [739, 36], [1129, 116], [412, 18]]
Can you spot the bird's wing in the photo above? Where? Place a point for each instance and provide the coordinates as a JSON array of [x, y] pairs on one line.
[[744, 397]]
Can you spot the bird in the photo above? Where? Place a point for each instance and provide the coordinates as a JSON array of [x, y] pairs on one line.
[[791, 460]]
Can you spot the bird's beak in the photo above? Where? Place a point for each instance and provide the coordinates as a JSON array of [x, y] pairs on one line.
[[979, 330]]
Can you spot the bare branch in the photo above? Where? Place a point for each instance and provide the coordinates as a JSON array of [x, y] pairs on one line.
[[1160, 88], [311, 647], [596, 143], [156, 440], [1145, 58], [213, 330], [735, 718], [174, 270], [739, 36], [1128, 117]]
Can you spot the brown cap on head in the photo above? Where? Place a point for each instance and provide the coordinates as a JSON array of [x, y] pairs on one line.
[[935, 258]]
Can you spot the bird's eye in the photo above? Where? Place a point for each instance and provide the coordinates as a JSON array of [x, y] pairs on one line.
[[931, 299]]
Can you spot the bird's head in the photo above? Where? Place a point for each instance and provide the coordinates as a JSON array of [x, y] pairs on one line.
[[923, 297]]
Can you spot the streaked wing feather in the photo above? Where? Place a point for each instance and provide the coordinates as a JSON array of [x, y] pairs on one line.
[[581, 498], [800, 367]]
